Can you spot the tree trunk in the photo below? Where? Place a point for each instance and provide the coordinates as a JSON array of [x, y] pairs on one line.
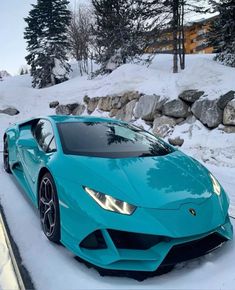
[[175, 36], [182, 64]]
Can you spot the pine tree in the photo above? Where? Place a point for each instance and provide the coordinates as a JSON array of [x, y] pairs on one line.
[[47, 43], [222, 34], [118, 32]]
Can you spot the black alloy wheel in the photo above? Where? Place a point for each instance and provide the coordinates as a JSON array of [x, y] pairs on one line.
[[49, 208]]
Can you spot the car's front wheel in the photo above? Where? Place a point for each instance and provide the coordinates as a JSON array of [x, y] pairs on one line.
[[6, 156], [49, 208]]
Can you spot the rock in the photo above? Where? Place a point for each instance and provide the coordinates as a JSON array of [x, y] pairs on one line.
[[72, 106], [54, 104], [86, 99], [191, 96], [148, 106], [62, 110], [79, 110], [208, 112], [176, 141], [228, 129], [11, 111], [117, 102], [126, 113], [229, 113], [92, 105], [113, 113], [162, 126], [179, 121], [176, 109], [191, 119], [225, 99], [105, 104], [132, 95]]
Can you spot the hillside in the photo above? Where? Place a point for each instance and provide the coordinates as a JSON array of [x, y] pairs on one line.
[[214, 148]]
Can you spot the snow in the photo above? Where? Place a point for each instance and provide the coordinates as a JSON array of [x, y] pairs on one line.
[[54, 267]]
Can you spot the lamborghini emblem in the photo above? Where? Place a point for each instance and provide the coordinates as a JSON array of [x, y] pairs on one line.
[[192, 211]]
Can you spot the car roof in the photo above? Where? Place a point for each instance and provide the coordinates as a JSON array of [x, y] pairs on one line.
[[70, 118]]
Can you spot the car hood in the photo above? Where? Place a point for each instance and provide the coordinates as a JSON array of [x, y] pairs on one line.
[[164, 182]]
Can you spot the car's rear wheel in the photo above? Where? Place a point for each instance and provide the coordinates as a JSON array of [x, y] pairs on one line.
[[6, 156], [49, 208]]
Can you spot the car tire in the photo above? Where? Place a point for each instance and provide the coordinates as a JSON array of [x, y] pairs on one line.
[[7, 167], [48, 205]]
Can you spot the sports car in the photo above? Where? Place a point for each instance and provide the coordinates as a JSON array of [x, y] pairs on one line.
[[115, 195]]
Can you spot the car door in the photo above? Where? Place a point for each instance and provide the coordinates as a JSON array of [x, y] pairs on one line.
[[33, 158]]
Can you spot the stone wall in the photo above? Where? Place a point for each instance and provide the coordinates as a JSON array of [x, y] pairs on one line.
[[158, 112]]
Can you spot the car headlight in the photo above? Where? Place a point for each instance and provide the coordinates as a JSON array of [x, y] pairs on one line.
[[216, 185], [109, 203]]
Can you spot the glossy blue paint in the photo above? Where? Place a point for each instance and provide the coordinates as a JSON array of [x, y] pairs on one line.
[[163, 189]]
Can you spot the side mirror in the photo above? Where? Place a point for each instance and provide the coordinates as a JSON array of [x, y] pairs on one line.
[[29, 143]]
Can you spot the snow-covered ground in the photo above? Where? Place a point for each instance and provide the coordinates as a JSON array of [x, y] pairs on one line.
[[53, 267]]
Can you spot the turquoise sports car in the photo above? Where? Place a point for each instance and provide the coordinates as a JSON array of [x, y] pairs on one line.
[[115, 195]]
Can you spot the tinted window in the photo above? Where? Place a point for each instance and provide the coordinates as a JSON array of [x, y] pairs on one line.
[[44, 135], [111, 140]]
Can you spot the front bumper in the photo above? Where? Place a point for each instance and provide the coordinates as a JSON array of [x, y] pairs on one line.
[[109, 251]]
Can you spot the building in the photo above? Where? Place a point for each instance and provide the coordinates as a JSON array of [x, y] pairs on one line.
[[196, 38]]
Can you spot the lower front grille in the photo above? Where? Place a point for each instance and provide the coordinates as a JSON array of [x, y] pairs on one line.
[[134, 241], [193, 249], [95, 241]]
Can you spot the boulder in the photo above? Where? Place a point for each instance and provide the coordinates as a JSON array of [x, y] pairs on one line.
[[162, 126], [113, 113], [54, 104], [72, 106], [228, 129], [79, 110], [176, 141], [208, 112], [118, 102], [229, 113], [86, 99], [11, 111], [105, 104], [62, 110], [92, 105], [191, 119], [225, 99], [176, 109], [191, 96], [148, 106], [126, 113], [179, 121], [131, 95]]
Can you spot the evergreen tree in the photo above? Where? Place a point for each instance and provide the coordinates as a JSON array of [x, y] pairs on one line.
[[47, 43], [118, 32], [222, 34]]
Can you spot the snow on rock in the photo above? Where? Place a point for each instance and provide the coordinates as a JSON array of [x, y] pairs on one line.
[[229, 113], [208, 112]]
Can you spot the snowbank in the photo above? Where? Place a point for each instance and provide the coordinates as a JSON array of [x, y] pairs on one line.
[[53, 267]]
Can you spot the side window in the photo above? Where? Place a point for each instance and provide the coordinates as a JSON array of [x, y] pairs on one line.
[[44, 135]]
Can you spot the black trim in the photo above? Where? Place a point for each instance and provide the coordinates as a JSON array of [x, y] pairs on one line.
[[134, 241], [193, 249], [94, 241]]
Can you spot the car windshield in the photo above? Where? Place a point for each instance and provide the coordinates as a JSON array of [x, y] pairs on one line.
[[110, 140]]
